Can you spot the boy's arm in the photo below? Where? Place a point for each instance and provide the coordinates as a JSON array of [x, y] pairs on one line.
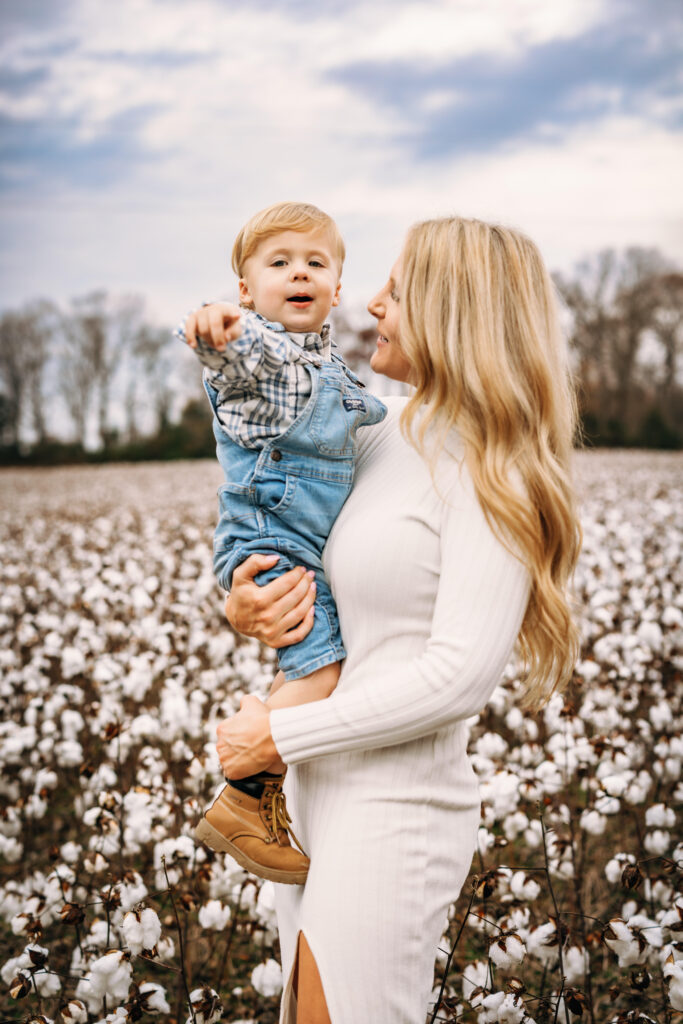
[[216, 324], [233, 343]]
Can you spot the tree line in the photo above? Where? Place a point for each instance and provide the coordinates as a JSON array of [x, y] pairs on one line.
[[96, 381]]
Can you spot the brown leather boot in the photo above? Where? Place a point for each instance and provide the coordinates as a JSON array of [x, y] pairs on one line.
[[255, 831]]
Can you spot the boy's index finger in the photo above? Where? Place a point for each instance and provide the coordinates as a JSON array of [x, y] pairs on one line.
[[190, 330]]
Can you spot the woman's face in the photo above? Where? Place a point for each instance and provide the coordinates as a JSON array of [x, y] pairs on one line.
[[388, 358]]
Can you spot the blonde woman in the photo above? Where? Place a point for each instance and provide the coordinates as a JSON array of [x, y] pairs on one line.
[[458, 541]]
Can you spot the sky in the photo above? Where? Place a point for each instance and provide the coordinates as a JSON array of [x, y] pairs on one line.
[[137, 137]]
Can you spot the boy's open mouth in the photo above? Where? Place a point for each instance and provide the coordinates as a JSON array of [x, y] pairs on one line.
[[300, 299]]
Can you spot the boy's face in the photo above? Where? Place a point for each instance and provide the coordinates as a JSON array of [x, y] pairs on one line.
[[293, 278]]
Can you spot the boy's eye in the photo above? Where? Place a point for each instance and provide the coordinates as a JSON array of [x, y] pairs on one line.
[[279, 263], [315, 263]]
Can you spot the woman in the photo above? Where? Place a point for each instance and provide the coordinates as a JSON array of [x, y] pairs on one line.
[[458, 540]]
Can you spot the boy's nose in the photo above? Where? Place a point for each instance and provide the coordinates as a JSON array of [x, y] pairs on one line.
[[299, 271]]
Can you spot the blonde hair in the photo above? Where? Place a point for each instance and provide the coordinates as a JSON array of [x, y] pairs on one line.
[[283, 217], [480, 329]]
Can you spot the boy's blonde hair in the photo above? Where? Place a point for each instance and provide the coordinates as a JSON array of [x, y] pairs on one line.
[[283, 217], [479, 326]]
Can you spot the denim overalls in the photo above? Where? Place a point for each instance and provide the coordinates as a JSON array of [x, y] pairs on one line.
[[283, 498]]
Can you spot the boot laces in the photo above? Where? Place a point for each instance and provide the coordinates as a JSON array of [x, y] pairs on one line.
[[278, 817]]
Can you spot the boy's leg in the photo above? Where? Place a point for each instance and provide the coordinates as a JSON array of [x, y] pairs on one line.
[[289, 694], [316, 686], [249, 818]]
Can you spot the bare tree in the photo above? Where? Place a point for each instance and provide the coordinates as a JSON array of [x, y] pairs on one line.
[[100, 332], [41, 323], [14, 374], [152, 347], [667, 324], [76, 374], [614, 301]]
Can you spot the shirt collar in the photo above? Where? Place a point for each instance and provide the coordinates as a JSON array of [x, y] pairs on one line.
[[307, 339]]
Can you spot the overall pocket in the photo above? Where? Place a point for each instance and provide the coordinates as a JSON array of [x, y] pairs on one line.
[[338, 411], [274, 494]]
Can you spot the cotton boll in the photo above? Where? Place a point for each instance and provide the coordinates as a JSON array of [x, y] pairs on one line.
[[153, 998], [141, 930], [607, 805], [265, 907], [507, 951], [550, 777], [672, 921], [638, 788], [11, 849], [74, 1012], [70, 852], [491, 745], [132, 891], [214, 916], [503, 1008], [475, 976], [615, 867], [657, 842], [533, 835], [514, 825], [47, 984], [110, 976], [661, 716], [593, 822], [524, 887], [267, 978], [206, 1005], [542, 942], [165, 949], [576, 962], [73, 662], [615, 784], [673, 979], [630, 947]]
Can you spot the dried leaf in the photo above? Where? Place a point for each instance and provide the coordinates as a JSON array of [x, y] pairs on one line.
[[71, 913], [20, 986], [631, 876], [640, 979]]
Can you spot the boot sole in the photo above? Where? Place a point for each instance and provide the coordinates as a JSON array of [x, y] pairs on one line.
[[216, 841]]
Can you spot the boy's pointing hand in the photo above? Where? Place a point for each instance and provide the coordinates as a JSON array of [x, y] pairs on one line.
[[216, 324]]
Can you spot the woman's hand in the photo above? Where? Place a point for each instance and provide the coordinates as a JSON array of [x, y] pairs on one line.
[[245, 745], [278, 614], [216, 324]]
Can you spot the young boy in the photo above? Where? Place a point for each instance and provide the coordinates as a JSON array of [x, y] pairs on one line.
[[286, 412]]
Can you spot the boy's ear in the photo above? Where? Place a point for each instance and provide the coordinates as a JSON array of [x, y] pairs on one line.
[[245, 294], [335, 300]]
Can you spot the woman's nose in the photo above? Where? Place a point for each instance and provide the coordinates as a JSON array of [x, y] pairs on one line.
[[375, 307]]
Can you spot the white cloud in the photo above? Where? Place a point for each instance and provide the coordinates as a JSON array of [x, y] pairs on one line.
[[443, 29], [258, 118]]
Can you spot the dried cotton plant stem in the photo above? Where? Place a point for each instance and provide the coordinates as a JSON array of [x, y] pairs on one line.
[[558, 926], [434, 1018], [181, 943]]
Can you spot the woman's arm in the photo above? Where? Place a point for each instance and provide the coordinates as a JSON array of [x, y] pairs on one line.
[[278, 614], [481, 601]]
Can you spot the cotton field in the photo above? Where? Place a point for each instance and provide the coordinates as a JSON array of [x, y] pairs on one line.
[[116, 666]]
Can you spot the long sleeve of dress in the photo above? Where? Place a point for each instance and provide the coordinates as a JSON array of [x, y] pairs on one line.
[[481, 598]]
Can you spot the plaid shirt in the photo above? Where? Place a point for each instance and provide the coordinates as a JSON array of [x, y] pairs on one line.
[[261, 379]]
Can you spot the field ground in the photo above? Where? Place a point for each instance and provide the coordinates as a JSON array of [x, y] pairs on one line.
[[116, 664]]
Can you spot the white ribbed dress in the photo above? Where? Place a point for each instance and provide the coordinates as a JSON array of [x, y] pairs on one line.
[[380, 789]]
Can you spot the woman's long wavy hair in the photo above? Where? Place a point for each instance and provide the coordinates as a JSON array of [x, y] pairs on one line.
[[479, 326]]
